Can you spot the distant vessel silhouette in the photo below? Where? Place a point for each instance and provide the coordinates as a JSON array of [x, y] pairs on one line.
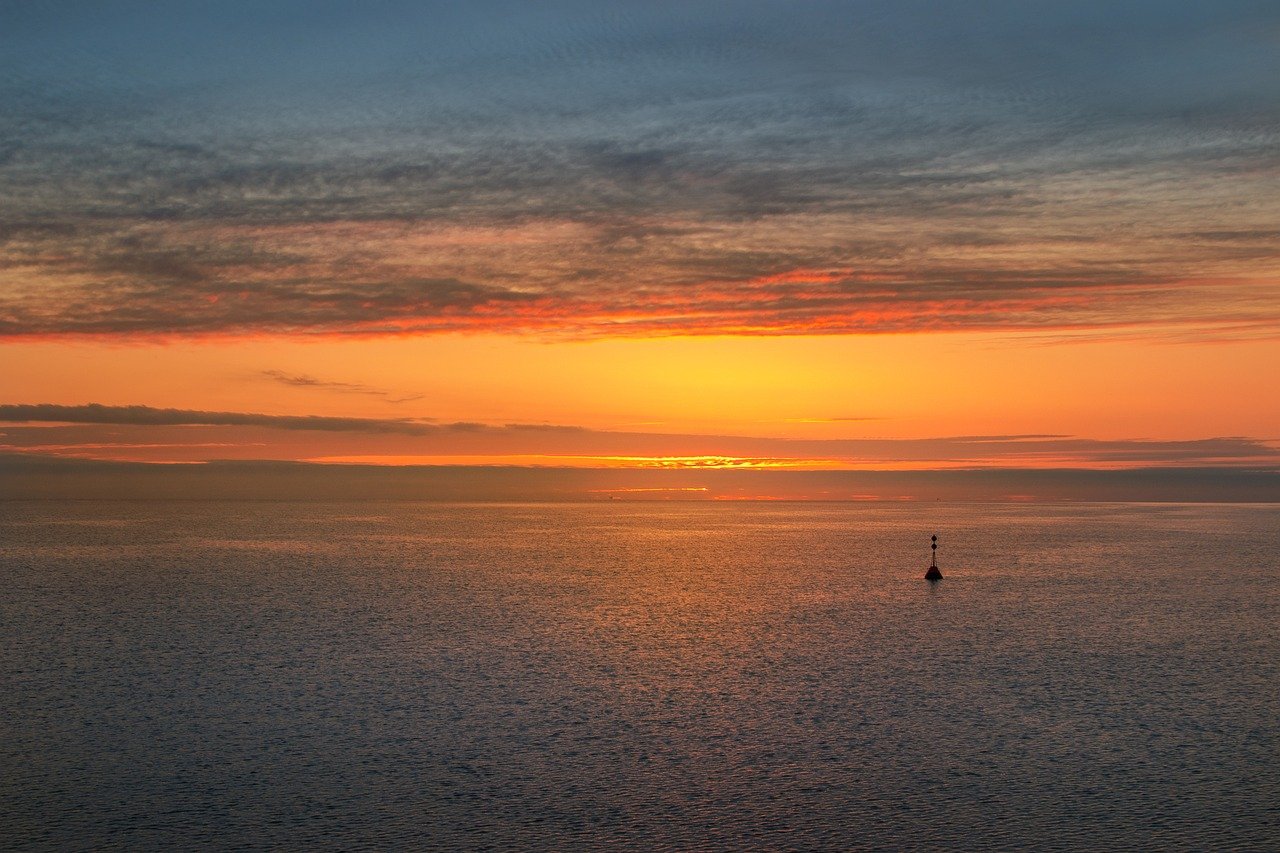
[[933, 574]]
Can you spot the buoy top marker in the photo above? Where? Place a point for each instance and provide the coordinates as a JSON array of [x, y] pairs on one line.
[[933, 574]]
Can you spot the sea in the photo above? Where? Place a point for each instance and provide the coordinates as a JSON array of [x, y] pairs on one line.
[[681, 676]]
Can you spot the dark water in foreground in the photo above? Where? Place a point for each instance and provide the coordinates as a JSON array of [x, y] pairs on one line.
[[683, 676]]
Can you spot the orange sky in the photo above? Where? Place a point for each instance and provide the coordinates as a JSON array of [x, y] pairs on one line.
[[907, 386], [881, 387]]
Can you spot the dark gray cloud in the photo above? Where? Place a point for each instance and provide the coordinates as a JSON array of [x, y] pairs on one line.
[[95, 413], [26, 477], [149, 416]]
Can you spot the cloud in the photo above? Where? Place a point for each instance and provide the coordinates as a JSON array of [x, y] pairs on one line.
[[94, 413], [298, 380], [146, 433], [592, 171], [290, 281], [25, 476], [833, 420]]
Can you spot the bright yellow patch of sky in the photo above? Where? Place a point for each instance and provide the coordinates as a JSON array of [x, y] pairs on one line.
[[891, 386]]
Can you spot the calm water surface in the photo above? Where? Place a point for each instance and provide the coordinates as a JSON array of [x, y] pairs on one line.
[[677, 676]]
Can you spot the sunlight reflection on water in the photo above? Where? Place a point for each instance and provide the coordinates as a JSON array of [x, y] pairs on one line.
[[659, 676]]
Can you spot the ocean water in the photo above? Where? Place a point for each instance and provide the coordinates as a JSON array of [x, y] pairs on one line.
[[634, 676]]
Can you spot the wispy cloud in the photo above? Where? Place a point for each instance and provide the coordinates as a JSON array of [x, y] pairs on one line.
[[302, 380]]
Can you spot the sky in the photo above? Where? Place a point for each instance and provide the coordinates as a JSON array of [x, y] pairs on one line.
[[817, 239]]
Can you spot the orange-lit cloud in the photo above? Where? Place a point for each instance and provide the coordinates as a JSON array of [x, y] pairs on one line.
[[554, 280], [139, 433]]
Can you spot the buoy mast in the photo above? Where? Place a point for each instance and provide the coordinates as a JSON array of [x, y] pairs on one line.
[[933, 574]]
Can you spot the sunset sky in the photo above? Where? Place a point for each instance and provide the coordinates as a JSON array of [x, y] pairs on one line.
[[795, 236]]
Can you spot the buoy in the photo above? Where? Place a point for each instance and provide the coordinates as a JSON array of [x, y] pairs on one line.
[[933, 574]]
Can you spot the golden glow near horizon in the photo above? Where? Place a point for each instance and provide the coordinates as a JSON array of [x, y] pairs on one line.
[[669, 403], [905, 386]]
